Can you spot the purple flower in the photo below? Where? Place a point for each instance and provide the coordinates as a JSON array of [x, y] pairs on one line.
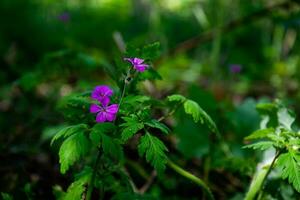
[[105, 113], [235, 68], [102, 94], [64, 17], [137, 63]]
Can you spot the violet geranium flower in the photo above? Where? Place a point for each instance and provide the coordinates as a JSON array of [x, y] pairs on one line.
[[137, 64], [102, 94], [105, 113]]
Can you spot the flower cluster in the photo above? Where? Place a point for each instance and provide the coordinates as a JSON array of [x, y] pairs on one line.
[[104, 111], [102, 93]]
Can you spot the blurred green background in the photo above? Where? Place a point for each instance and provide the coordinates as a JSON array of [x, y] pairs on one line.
[[225, 54]]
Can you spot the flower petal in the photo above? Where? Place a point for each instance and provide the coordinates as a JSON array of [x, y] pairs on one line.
[[110, 116], [94, 108], [113, 109], [104, 101], [131, 60], [100, 117], [141, 67], [138, 61]]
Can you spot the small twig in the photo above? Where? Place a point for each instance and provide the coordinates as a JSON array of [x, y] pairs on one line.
[[147, 185]]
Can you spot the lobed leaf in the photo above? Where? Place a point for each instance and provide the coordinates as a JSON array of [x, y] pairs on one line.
[[263, 145], [72, 149], [156, 124], [132, 126], [261, 133], [69, 130], [289, 163], [154, 151], [198, 114]]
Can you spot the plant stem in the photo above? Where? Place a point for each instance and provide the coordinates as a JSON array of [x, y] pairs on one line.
[[259, 179], [192, 178], [171, 112], [91, 184]]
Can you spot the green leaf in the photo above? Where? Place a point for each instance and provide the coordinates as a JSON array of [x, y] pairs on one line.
[[76, 189], [112, 147], [261, 133], [263, 145], [289, 163], [99, 129], [132, 126], [154, 150], [176, 97], [72, 149], [285, 118], [198, 114], [156, 124], [69, 130]]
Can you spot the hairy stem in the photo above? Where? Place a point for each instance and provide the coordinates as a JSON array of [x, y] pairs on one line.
[[192, 178], [259, 179]]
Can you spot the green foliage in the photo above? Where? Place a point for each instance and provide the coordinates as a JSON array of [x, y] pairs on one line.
[[75, 108], [112, 147], [263, 145], [102, 136], [99, 129], [198, 114], [156, 124], [72, 149], [77, 188], [131, 126], [176, 97], [68, 131], [192, 108], [289, 164], [154, 151], [261, 133]]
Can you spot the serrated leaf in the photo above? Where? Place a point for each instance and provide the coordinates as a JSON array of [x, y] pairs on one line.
[[132, 126], [76, 189], [156, 124], [176, 97], [99, 129], [289, 163], [72, 149], [69, 130], [198, 114], [154, 151], [263, 145], [285, 118], [261, 133]]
